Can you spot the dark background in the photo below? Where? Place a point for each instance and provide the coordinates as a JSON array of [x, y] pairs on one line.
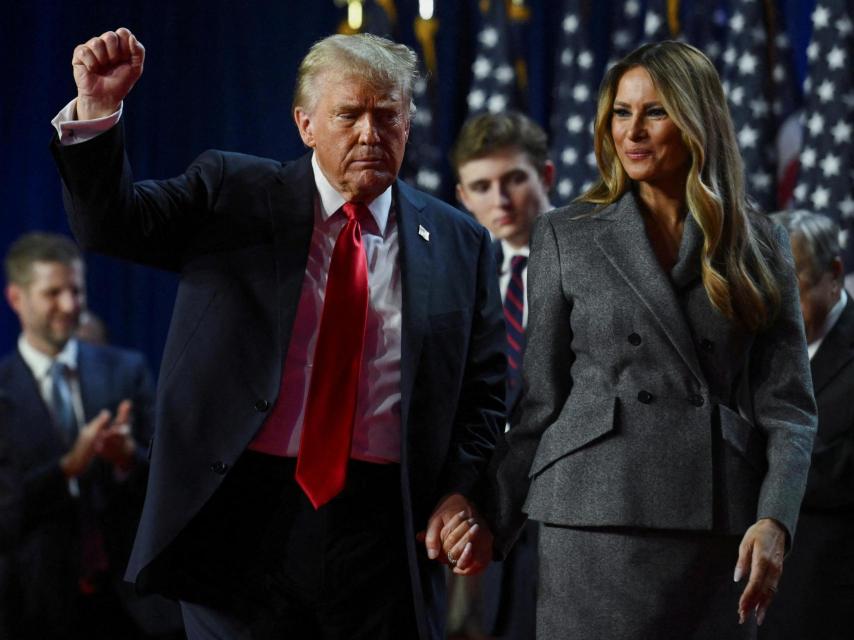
[[217, 74]]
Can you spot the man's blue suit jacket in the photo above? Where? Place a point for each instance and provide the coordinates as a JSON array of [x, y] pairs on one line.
[[39, 519], [237, 228]]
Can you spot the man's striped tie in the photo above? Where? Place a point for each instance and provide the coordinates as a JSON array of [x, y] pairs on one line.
[[514, 306]]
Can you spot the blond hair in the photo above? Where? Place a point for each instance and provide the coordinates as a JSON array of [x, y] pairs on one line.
[[381, 63], [737, 251]]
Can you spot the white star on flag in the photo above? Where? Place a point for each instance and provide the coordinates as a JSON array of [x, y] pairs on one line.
[[820, 198], [489, 37], [825, 91], [820, 17], [747, 136], [830, 165], [841, 132], [815, 124], [836, 58]]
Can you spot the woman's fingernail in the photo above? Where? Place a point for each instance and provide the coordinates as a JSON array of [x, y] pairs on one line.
[[736, 576], [760, 615]]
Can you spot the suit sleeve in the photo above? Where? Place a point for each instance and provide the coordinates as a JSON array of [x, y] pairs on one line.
[[10, 499], [547, 382], [148, 222], [480, 414], [783, 403]]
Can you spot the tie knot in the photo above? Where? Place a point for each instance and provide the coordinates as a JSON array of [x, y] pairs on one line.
[[357, 211], [58, 369], [518, 263]]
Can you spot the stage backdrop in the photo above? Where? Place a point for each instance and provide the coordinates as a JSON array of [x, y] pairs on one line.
[[220, 74]]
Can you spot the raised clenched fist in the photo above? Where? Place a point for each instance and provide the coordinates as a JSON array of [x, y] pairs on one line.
[[105, 70]]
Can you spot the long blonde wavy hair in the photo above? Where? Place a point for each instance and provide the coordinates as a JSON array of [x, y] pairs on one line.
[[737, 253]]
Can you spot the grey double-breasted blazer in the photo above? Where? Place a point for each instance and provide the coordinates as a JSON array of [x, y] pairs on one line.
[[644, 406]]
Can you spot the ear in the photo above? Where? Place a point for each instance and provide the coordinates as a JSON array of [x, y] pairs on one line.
[[303, 121], [837, 269], [548, 176], [461, 196], [14, 295]]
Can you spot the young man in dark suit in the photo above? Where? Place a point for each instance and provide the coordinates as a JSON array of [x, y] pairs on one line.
[[76, 421], [333, 379], [817, 588], [503, 178]]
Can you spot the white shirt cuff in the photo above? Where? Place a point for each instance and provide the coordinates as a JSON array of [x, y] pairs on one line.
[[73, 131]]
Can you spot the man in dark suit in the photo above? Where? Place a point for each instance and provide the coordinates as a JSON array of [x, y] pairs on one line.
[[332, 384], [76, 419], [503, 178], [816, 594]]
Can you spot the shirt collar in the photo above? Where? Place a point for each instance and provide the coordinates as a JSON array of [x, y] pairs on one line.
[[509, 252], [331, 201], [831, 319], [40, 363]]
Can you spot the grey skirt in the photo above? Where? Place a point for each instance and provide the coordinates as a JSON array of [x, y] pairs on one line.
[[638, 584]]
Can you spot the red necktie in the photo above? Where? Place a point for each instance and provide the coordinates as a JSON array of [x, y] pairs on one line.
[[327, 430]]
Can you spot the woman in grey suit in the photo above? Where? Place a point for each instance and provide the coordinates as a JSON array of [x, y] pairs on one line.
[[668, 419]]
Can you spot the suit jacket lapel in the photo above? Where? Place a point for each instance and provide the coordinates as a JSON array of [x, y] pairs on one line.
[[92, 391], [836, 350], [416, 265], [23, 388], [291, 201], [624, 243]]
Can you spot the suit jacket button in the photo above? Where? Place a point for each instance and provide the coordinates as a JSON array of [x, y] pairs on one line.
[[634, 339], [219, 467], [707, 345], [261, 406], [697, 400], [645, 397]]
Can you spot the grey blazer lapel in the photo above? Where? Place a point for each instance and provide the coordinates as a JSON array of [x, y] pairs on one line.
[[625, 245], [291, 203], [416, 265]]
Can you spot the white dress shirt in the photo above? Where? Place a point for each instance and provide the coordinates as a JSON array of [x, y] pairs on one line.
[[40, 366], [376, 432]]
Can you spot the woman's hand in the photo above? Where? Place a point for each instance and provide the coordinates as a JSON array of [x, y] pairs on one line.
[[760, 556]]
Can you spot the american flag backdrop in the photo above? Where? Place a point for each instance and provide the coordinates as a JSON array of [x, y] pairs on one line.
[[656, 25], [577, 78], [826, 178], [423, 163], [499, 71], [627, 30], [754, 78]]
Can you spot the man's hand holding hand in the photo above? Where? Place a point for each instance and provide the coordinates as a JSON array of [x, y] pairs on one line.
[[105, 70], [457, 535]]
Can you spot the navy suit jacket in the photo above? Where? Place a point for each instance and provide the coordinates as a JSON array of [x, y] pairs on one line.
[[237, 228], [39, 519], [830, 486]]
